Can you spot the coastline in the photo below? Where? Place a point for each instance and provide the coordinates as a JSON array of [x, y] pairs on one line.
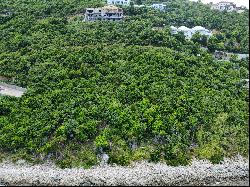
[[200, 172]]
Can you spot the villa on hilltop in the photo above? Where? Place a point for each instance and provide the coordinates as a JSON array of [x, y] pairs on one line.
[[110, 13], [227, 6]]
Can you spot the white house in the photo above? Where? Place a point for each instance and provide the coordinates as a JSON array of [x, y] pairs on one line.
[[241, 9], [224, 5], [159, 6], [118, 2], [139, 6], [202, 31], [187, 31], [174, 30]]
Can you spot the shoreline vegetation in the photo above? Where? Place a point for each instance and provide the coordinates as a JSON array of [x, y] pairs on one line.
[[234, 171]]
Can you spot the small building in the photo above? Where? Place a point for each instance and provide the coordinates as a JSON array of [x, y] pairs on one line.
[[159, 6], [139, 6], [190, 32], [201, 31], [224, 5], [174, 30], [110, 13], [118, 2], [241, 9], [186, 31]]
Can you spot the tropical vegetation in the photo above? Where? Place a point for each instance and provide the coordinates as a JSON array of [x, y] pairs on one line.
[[129, 89]]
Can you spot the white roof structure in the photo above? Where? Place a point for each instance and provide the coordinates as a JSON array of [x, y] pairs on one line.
[[189, 32], [198, 28], [183, 28], [173, 27], [139, 6]]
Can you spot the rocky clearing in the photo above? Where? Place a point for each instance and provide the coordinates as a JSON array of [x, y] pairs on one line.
[[200, 172]]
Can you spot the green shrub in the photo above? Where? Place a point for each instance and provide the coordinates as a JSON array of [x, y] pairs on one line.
[[212, 152], [119, 153], [141, 153], [85, 158]]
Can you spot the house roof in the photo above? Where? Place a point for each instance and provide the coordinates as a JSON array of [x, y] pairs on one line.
[[226, 2], [159, 3], [198, 28], [173, 27], [183, 28]]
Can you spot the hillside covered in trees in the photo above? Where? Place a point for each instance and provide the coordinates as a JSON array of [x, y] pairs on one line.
[[123, 88]]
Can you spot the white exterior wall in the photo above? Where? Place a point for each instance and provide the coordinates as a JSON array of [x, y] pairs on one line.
[[159, 6], [173, 30], [224, 3], [187, 31], [118, 2], [201, 31], [190, 32], [230, 8], [206, 33], [224, 6]]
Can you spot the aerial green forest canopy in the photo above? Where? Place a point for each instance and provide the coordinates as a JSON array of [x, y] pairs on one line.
[[129, 89]]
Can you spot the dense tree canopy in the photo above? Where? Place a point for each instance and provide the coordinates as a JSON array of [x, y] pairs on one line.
[[130, 89]]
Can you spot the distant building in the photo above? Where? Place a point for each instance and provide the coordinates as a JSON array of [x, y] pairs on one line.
[[190, 32], [111, 13], [224, 5], [159, 6], [186, 31], [174, 30], [118, 2], [201, 31], [241, 9], [139, 6]]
